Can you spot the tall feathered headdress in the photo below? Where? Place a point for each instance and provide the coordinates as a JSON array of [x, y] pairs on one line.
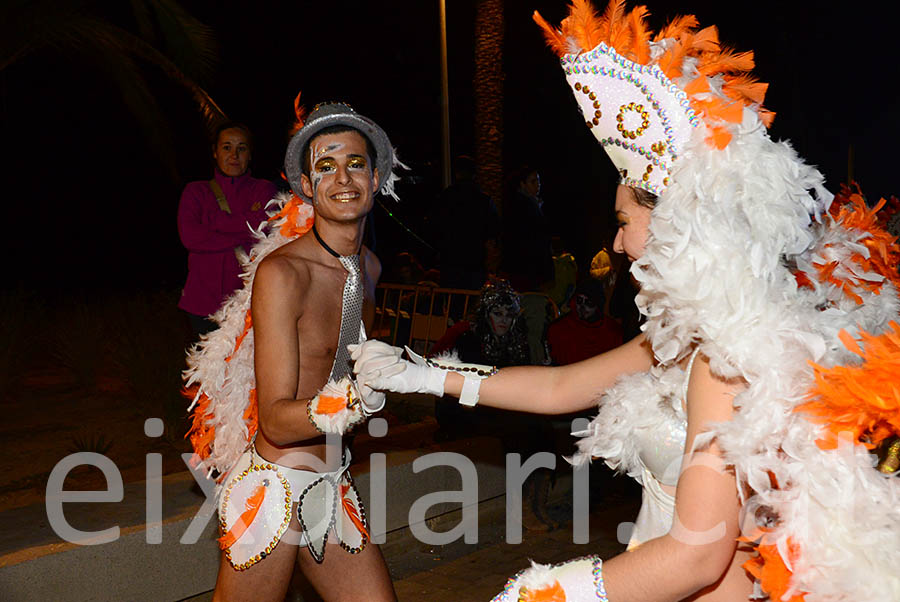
[[642, 95]]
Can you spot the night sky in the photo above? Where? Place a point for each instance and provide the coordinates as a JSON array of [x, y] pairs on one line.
[[90, 205]]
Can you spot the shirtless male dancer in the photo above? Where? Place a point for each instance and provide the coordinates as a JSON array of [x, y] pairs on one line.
[[300, 310]]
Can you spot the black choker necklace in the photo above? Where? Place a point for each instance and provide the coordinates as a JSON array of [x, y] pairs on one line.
[[325, 245]]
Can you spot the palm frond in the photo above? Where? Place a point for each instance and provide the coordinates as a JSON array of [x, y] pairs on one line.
[[185, 52], [189, 44]]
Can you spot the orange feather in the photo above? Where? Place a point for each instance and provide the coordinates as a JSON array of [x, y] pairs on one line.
[[248, 324], [240, 526], [859, 399], [716, 108], [726, 61], [551, 593], [586, 27], [299, 113], [640, 43], [745, 87], [330, 405], [706, 40], [201, 433], [352, 512], [618, 34], [251, 414], [676, 27], [719, 137], [555, 40], [670, 62], [698, 85], [770, 570]]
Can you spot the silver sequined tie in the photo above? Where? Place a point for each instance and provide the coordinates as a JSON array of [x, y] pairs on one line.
[[351, 315]]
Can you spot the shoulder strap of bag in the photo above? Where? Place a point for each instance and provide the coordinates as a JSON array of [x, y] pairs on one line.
[[220, 196]]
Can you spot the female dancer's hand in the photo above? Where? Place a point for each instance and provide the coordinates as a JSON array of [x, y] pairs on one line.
[[379, 366]]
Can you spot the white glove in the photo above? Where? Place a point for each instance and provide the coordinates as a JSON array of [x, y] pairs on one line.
[[379, 366], [373, 401]]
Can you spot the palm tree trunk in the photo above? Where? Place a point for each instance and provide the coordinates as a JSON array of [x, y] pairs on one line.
[[489, 26]]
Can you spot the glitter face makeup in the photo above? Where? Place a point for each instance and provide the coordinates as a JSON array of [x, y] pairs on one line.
[[321, 165], [341, 180], [501, 318]]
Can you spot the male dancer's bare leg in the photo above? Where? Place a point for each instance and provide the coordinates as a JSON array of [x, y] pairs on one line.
[[266, 580], [341, 576]]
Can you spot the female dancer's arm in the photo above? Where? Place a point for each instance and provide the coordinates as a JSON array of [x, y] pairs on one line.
[[697, 553], [537, 389], [559, 389]]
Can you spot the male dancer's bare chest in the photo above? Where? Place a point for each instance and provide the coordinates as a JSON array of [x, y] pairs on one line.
[[319, 325]]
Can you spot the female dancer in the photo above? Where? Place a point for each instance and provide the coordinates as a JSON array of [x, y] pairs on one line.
[[743, 408]]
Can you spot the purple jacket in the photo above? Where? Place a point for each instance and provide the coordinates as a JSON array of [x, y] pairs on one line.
[[211, 235]]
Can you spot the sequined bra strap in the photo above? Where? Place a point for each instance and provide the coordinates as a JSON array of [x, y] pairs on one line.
[[687, 375]]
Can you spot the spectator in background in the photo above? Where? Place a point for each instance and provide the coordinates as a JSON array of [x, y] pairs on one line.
[[565, 275], [606, 270], [585, 331], [494, 335], [405, 269], [527, 255], [497, 336], [214, 221], [464, 228]]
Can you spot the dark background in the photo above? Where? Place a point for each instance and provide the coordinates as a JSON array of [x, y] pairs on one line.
[[89, 205]]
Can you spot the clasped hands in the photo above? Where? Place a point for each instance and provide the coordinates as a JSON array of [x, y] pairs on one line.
[[380, 367]]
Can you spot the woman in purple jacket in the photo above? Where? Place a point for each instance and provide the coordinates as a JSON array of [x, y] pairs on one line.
[[214, 221]]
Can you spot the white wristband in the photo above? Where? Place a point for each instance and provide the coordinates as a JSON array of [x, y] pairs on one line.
[[469, 394], [472, 373], [434, 380], [337, 407], [576, 579], [368, 411]]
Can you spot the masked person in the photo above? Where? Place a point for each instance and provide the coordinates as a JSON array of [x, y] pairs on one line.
[[585, 331], [495, 335], [215, 221], [273, 387], [767, 365]]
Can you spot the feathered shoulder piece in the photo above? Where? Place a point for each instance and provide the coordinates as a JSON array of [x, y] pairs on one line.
[[857, 255], [220, 379]]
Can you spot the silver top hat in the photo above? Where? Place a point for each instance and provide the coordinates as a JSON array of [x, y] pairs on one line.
[[337, 113]]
